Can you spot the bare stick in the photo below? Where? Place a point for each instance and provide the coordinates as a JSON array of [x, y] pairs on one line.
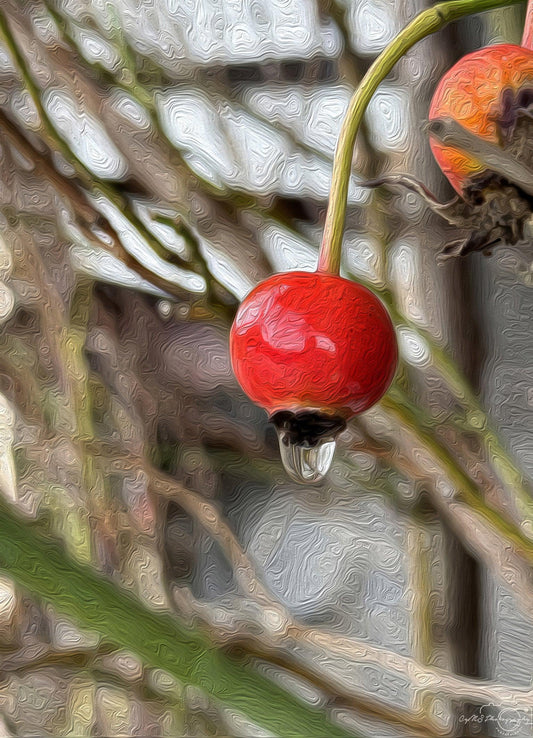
[[451, 133]]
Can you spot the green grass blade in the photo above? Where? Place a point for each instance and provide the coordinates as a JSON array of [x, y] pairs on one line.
[[93, 602]]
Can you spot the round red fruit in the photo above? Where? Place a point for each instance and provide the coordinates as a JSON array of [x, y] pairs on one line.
[[313, 342]]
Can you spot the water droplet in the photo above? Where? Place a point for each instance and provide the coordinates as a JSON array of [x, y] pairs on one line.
[[305, 462]]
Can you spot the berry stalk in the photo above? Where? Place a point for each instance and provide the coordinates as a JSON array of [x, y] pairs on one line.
[[527, 38], [426, 23]]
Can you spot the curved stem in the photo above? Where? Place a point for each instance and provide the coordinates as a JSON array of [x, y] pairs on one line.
[[527, 38], [426, 23]]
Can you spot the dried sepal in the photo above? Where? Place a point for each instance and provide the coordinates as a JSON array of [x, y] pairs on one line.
[[497, 203]]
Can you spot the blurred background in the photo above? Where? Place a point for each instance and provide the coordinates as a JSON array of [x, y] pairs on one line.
[[158, 160]]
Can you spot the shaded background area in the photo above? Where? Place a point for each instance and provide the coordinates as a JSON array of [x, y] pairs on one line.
[[157, 160]]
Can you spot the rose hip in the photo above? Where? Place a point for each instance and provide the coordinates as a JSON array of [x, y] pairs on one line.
[[313, 349]]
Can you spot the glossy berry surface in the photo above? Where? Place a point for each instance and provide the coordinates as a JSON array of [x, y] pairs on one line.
[[307, 341], [479, 92]]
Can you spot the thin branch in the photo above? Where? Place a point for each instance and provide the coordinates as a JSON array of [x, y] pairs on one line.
[[97, 187], [435, 682], [226, 203], [451, 133], [299, 658], [477, 419], [88, 219], [205, 513], [397, 404], [93, 184], [314, 653], [477, 533]]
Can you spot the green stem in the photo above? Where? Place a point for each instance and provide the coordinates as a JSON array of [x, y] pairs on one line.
[[397, 403], [426, 23], [477, 420], [160, 640], [75, 364]]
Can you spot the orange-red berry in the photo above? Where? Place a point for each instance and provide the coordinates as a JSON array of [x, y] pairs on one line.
[[482, 92], [307, 341]]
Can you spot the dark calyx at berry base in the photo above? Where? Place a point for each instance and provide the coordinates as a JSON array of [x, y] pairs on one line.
[[307, 442], [307, 427], [496, 212]]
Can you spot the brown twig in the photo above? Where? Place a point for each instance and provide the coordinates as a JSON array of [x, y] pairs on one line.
[[87, 217]]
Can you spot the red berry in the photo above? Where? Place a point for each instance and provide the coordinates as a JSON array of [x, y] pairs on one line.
[[313, 343], [476, 92]]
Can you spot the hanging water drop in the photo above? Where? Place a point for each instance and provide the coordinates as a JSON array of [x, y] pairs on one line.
[[307, 441], [303, 462]]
